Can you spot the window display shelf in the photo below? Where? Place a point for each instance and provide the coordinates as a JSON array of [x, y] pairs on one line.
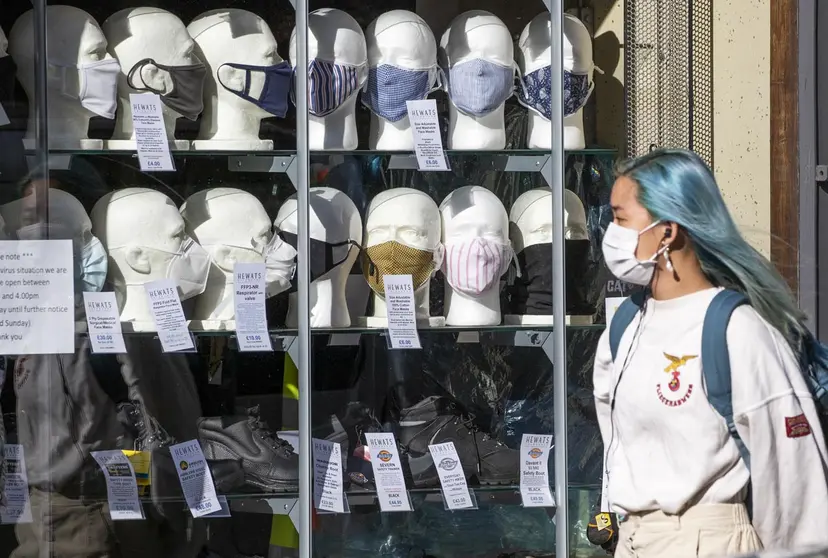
[[356, 153]]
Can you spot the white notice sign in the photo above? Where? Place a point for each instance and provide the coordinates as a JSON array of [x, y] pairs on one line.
[[452, 478], [121, 486], [168, 315], [196, 480], [16, 490], [104, 323], [249, 304], [37, 300], [399, 305], [327, 476], [150, 133], [534, 471], [388, 474], [425, 127]]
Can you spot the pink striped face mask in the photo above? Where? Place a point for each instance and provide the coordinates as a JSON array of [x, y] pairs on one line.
[[474, 265]]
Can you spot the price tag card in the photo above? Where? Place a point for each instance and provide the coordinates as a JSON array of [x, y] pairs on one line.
[[104, 323], [195, 478], [150, 133], [327, 477], [388, 473], [402, 318], [249, 303], [168, 315], [16, 489], [121, 486], [456, 493], [425, 128], [534, 471], [37, 300]]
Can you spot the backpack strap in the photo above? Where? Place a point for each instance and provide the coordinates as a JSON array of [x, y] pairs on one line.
[[623, 317], [715, 360]]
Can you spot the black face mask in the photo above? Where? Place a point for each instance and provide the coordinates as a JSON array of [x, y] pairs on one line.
[[187, 95], [321, 256], [532, 292]]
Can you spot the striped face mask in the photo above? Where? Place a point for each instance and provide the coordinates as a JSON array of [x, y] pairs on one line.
[[330, 85], [474, 265]]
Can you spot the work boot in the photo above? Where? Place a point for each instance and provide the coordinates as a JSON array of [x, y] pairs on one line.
[[349, 432], [268, 462], [436, 420]]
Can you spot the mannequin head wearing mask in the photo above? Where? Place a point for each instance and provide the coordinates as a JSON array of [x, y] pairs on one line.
[[668, 209], [68, 220]]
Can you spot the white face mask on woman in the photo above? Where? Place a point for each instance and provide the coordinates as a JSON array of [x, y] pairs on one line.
[[619, 246]]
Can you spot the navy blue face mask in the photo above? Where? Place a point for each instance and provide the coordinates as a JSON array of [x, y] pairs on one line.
[[275, 91]]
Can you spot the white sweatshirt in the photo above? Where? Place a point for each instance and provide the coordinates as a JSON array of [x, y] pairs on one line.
[[666, 448]]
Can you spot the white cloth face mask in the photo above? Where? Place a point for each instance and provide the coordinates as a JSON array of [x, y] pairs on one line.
[[97, 86], [619, 247], [280, 265]]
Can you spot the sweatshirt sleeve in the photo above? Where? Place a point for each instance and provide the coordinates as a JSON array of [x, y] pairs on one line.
[[776, 416], [602, 381]]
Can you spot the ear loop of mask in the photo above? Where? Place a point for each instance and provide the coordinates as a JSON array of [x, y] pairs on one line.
[[136, 69]]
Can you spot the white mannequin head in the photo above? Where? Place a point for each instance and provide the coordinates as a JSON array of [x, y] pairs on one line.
[[67, 217], [75, 38], [4, 44], [402, 39], [534, 53], [473, 212], [334, 36], [476, 34], [232, 225], [532, 219], [410, 217], [334, 219], [241, 37], [142, 230], [136, 34]]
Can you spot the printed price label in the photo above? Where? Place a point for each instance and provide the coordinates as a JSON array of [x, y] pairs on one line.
[[195, 478], [402, 318], [16, 489], [104, 323], [534, 471], [150, 134], [452, 477], [327, 476], [388, 474], [425, 129], [37, 300], [168, 315], [121, 486], [249, 303]]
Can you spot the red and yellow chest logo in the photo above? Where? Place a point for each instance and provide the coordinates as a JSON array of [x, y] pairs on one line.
[[678, 393]]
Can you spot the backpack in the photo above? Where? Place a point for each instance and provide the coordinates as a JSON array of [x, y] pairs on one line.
[[715, 359]]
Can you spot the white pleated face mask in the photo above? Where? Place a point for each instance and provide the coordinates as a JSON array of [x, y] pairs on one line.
[[619, 246]]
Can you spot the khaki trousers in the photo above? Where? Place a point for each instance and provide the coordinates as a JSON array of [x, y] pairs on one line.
[[713, 530]]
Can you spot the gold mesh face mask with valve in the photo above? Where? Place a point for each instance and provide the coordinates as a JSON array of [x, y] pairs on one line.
[[394, 258]]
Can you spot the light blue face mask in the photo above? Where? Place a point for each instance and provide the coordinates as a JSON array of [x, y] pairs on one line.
[[389, 87], [91, 261], [477, 87]]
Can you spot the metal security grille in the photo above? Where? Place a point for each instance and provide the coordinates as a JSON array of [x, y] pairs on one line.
[[668, 72]]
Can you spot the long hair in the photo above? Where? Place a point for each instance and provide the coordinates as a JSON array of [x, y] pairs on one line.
[[676, 185]]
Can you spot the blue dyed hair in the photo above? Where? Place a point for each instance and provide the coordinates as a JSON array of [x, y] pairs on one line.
[[676, 185]]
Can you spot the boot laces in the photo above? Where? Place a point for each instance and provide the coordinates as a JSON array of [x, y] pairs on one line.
[[469, 421], [264, 432]]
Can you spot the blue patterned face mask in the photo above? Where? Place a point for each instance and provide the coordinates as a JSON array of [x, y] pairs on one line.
[[537, 85], [277, 82], [389, 87], [478, 87], [330, 85]]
